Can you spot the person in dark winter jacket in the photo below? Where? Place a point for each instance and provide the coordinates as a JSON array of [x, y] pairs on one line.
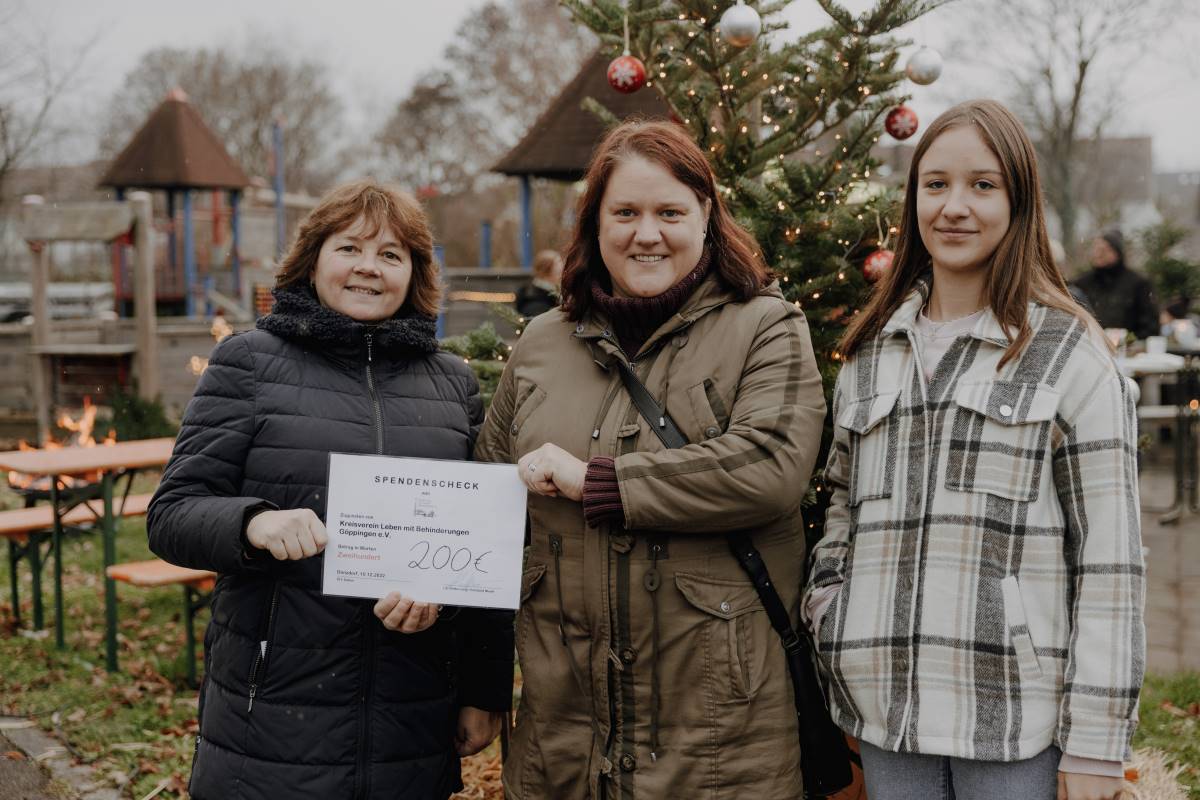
[[1119, 297], [541, 293], [307, 695]]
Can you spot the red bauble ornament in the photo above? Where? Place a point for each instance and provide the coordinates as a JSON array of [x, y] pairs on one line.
[[877, 265], [901, 122], [626, 74]]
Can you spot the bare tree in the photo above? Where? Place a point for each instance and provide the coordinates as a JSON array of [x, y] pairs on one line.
[[239, 95], [32, 82], [433, 141], [504, 65], [512, 56], [1065, 60]]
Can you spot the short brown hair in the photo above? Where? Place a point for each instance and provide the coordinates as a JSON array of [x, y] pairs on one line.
[[380, 207], [543, 263], [736, 257], [1022, 268]]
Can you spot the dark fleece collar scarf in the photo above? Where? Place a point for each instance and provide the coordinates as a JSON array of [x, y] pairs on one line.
[[298, 316], [635, 319]]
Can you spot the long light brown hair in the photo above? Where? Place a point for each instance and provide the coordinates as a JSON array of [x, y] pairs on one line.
[[382, 208], [1022, 266], [736, 257]]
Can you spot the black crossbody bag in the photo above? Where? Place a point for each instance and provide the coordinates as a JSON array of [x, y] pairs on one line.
[[824, 754]]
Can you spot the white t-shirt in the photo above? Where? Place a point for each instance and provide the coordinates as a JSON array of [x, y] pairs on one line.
[[935, 338]]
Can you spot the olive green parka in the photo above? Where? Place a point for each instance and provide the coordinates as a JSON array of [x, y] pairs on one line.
[[650, 669]]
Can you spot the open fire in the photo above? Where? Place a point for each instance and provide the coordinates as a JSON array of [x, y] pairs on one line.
[[79, 434]]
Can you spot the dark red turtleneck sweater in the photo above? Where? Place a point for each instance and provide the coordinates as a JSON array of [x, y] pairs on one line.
[[633, 320]]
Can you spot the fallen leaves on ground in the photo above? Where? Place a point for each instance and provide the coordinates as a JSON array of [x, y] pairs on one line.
[[481, 777]]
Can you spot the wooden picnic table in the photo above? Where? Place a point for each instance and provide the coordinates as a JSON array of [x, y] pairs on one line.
[[105, 460]]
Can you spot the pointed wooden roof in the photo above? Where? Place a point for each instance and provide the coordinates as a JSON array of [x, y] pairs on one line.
[[174, 149], [560, 143]]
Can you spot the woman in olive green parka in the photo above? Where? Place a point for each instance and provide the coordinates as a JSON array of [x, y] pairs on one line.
[[650, 668]]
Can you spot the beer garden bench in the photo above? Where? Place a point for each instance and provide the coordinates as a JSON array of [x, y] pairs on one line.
[[28, 529]]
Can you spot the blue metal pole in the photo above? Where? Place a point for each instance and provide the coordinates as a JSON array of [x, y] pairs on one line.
[[189, 256], [439, 255], [235, 236], [280, 213], [172, 239], [526, 223], [485, 244]]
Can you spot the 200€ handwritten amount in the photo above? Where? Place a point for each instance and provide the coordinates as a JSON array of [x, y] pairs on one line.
[[446, 558]]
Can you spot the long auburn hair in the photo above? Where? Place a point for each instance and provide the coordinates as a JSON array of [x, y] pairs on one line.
[[1021, 268], [381, 207], [736, 257]]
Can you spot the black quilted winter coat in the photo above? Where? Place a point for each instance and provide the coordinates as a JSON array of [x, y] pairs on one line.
[[308, 696]]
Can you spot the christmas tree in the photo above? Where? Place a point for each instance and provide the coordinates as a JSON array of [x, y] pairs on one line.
[[788, 124]]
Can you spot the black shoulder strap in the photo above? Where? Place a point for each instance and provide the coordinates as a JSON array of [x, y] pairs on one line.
[[824, 755], [660, 421], [746, 553]]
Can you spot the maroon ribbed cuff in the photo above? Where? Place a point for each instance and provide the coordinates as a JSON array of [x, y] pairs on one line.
[[601, 494]]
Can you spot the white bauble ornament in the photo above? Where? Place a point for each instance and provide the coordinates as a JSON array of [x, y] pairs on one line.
[[740, 25], [924, 66]]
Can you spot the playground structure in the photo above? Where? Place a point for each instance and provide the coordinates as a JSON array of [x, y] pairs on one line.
[[91, 222], [175, 152], [170, 277]]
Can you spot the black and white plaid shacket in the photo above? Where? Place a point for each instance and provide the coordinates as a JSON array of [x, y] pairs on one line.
[[984, 527]]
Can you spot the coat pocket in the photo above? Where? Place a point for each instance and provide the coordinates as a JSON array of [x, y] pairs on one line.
[[739, 631], [1000, 438], [874, 446], [1018, 629], [529, 402], [531, 578], [708, 410]]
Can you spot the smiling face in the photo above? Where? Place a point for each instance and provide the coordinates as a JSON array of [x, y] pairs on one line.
[[963, 209], [652, 228], [364, 277]]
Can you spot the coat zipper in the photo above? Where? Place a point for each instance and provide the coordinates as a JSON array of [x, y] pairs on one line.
[[375, 406], [362, 776], [260, 658]]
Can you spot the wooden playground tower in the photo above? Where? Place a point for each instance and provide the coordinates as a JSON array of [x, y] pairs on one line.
[[90, 222], [173, 151]]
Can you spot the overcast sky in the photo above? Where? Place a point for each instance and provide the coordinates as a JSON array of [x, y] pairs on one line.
[[375, 48]]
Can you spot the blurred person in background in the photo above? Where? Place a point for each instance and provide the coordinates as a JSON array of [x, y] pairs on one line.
[[1120, 297], [541, 294]]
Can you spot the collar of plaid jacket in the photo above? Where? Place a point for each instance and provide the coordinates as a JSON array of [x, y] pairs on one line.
[[904, 318]]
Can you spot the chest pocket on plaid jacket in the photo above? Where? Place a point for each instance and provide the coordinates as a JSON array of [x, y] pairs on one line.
[[1000, 438], [874, 445]]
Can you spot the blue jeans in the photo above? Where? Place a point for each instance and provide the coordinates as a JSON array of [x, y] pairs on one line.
[[910, 776]]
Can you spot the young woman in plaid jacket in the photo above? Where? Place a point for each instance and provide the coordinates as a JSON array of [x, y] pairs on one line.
[[977, 597]]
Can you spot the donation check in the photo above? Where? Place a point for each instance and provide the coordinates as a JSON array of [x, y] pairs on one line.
[[448, 532]]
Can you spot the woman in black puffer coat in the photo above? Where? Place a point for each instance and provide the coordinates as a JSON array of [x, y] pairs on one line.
[[308, 695]]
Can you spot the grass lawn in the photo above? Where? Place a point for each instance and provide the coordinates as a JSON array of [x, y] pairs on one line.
[[1170, 712], [138, 726]]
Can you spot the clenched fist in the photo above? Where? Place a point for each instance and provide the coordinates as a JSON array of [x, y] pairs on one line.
[[289, 535]]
